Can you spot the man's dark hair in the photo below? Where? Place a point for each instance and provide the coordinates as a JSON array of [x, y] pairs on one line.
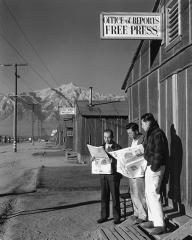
[[133, 126], [109, 131], [148, 117]]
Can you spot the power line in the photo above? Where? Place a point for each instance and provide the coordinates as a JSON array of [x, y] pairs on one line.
[[24, 59], [24, 82], [34, 70], [29, 42], [13, 47], [15, 103]]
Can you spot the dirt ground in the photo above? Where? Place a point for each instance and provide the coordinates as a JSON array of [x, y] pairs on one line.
[[51, 197]]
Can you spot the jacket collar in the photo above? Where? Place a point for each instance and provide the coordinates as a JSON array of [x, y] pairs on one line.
[[112, 142], [138, 136], [152, 128]]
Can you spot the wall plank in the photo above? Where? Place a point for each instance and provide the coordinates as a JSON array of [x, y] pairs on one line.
[[163, 105], [169, 108], [170, 179], [136, 69], [145, 50], [143, 96], [182, 131], [129, 103], [189, 167], [190, 21], [135, 98], [153, 93]]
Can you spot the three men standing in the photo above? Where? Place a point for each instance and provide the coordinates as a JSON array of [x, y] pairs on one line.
[[145, 191]]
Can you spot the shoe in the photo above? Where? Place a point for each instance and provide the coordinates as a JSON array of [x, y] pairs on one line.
[[133, 218], [158, 231], [117, 221], [101, 220], [139, 221], [148, 224]]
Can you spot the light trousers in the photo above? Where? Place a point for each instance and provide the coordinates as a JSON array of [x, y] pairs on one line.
[[137, 191], [152, 193]]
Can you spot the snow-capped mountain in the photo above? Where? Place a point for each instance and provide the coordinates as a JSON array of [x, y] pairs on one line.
[[46, 103]]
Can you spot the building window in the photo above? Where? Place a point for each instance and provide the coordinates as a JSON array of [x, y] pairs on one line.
[[173, 22]]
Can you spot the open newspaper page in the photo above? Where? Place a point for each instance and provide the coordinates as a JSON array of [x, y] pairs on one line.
[[102, 163], [130, 161]]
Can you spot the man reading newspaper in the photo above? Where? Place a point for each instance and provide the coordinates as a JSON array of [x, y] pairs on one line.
[[137, 182], [106, 166], [131, 163]]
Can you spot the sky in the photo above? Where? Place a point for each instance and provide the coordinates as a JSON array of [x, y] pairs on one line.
[[60, 41]]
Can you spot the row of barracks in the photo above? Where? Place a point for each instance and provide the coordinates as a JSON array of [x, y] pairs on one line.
[[159, 81], [74, 132]]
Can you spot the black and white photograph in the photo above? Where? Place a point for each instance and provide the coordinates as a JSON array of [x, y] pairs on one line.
[[95, 119]]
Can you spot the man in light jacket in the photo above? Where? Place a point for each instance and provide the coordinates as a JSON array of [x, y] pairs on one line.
[[137, 185]]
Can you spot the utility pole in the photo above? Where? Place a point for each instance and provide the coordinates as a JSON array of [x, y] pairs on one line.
[[15, 113], [59, 126], [39, 128], [32, 122], [16, 65]]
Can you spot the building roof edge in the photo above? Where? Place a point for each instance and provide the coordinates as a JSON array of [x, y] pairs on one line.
[[124, 85]]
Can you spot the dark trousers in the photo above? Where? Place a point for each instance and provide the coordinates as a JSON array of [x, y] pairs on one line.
[[110, 183]]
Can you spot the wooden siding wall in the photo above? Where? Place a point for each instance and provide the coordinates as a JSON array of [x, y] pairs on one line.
[[189, 138], [163, 87], [92, 133]]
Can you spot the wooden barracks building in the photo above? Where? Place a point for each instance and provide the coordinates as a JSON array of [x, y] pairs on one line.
[[92, 118], [159, 81]]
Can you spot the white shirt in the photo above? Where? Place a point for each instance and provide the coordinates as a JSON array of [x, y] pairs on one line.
[[134, 143], [108, 147]]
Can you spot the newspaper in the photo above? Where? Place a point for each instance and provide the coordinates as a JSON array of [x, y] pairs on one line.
[[101, 163], [130, 161]]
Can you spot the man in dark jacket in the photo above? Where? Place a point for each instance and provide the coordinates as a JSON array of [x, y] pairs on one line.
[[110, 182], [156, 153]]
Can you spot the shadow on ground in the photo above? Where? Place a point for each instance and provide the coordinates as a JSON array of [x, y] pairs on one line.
[[29, 212]]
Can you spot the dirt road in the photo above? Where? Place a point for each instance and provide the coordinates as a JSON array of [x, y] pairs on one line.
[[65, 206]]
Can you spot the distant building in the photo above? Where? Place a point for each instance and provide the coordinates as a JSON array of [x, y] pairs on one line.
[[159, 81], [91, 120], [64, 134]]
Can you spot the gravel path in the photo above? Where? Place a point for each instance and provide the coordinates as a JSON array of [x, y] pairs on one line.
[[65, 206]]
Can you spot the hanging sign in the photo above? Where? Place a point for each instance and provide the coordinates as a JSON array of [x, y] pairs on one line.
[[131, 25], [67, 110], [69, 133]]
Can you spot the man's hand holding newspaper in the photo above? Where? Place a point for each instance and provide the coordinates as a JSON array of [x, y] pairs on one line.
[[130, 161], [101, 163]]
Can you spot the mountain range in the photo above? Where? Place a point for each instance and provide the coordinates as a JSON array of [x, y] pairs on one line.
[[45, 104]]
